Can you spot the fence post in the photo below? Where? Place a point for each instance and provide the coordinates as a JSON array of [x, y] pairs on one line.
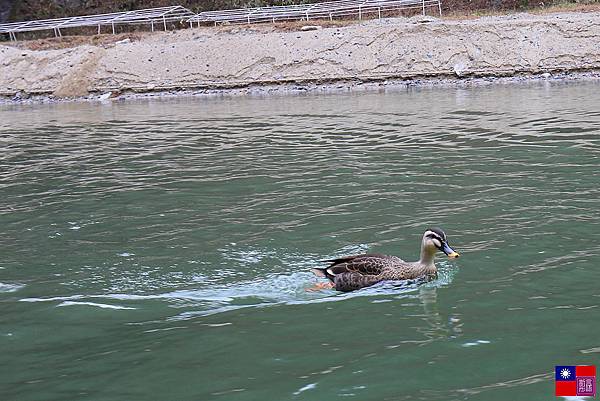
[[165, 22], [423, 7], [359, 13]]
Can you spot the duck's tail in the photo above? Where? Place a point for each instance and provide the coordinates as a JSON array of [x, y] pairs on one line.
[[322, 272]]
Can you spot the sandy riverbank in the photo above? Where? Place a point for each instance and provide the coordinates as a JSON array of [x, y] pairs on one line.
[[209, 60]]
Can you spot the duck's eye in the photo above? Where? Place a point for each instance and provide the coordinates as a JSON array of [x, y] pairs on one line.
[[436, 238]]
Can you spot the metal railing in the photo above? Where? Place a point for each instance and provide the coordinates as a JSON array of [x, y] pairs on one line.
[[306, 12], [163, 15], [152, 16]]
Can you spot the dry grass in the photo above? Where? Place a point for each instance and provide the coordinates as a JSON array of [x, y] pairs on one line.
[[568, 7], [103, 40], [541, 10], [288, 26]]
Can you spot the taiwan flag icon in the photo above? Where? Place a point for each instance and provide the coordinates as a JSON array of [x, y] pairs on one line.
[[575, 381]]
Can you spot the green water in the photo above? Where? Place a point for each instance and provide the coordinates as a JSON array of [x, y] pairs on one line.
[[159, 250]]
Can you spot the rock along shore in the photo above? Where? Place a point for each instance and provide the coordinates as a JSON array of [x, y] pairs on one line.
[[238, 58]]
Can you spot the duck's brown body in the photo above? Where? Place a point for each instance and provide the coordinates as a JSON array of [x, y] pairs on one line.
[[351, 273], [354, 272]]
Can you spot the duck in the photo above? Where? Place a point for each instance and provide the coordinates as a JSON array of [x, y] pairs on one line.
[[350, 273]]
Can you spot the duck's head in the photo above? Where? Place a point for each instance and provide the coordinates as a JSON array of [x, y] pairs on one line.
[[435, 239]]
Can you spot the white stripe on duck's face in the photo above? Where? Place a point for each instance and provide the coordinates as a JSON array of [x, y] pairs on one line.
[[438, 232], [434, 238], [429, 247]]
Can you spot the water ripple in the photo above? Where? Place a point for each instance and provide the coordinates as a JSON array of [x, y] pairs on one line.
[[169, 232]]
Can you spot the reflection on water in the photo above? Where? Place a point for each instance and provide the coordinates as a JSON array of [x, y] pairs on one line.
[[162, 250]]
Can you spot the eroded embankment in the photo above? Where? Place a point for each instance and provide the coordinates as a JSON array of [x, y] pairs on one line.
[[374, 50]]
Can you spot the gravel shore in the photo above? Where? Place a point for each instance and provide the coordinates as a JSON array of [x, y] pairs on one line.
[[264, 59]]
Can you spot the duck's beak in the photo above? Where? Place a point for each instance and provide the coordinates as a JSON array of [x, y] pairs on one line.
[[452, 254]]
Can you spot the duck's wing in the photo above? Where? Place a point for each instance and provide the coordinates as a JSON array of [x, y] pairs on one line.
[[357, 271], [354, 281], [366, 264]]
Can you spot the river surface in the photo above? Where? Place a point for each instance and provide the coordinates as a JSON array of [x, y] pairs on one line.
[[161, 250]]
